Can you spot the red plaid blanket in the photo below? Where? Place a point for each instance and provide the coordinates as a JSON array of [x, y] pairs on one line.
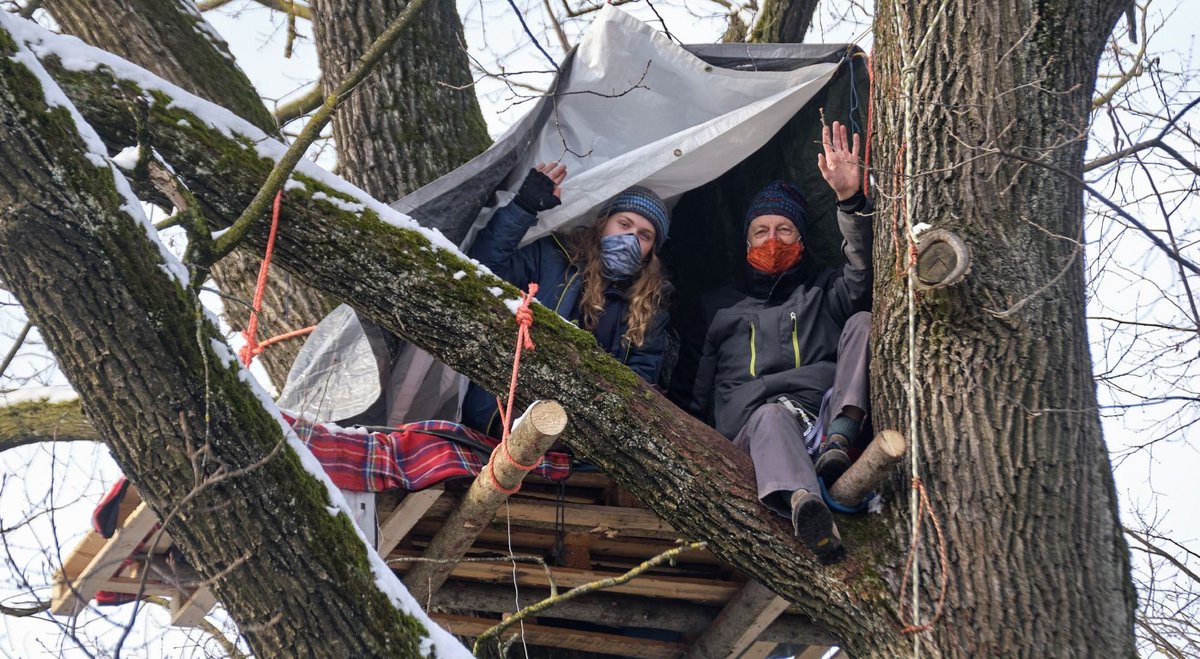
[[414, 456]]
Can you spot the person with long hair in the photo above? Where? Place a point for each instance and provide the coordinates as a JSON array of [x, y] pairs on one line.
[[605, 277]]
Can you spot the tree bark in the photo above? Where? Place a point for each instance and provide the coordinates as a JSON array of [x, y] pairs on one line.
[[167, 396], [416, 117], [783, 21], [174, 42], [1008, 437], [695, 478]]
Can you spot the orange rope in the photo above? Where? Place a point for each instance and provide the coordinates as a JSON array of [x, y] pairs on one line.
[[253, 348], [524, 341], [924, 510]]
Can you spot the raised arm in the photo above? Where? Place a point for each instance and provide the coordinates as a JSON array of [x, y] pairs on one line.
[[496, 244]]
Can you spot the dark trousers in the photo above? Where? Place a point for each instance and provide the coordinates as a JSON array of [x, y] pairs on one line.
[[774, 439]]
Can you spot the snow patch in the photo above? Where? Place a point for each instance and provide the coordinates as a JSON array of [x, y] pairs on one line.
[[513, 305], [127, 158], [459, 275], [496, 291], [49, 394], [920, 228], [348, 206]]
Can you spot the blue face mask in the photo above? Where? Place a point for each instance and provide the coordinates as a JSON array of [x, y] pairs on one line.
[[621, 255]]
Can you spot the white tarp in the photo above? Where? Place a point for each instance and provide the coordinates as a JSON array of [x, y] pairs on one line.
[[639, 109], [634, 108]]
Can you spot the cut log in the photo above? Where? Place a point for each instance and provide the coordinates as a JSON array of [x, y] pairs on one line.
[[740, 623], [533, 435], [943, 259], [870, 470]]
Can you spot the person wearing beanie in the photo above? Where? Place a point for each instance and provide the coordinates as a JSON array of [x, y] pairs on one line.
[[771, 349], [605, 277]]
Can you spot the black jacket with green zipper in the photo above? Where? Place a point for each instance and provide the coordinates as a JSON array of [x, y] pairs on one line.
[[778, 334]]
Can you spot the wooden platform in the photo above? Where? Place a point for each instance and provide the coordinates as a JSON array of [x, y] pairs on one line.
[[584, 530]]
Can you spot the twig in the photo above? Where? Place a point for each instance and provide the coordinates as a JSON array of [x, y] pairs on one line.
[[536, 43], [312, 130], [16, 346], [558, 29], [1156, 141], [581, 590], [1112, 205]]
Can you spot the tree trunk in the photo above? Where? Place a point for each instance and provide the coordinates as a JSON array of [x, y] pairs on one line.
[[1008, 436], [783, 21], [416, 117], [164, 392], [174, 42]]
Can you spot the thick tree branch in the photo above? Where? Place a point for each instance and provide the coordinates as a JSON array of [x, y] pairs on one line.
[[40, 421], [300, 106]]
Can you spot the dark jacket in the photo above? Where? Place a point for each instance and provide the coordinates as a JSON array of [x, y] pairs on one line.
[[776, 335], [560, 285]]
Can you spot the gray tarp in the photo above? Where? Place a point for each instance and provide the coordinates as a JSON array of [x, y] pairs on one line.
[[629, 107]]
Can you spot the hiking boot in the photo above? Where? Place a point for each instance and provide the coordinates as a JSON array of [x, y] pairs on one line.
[[833, 460], [814, 525]]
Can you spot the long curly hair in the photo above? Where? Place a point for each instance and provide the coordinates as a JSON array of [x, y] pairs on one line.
[[647, 294]]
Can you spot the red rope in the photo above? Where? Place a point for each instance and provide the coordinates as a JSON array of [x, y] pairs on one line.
[[253, 348], [524, 341], [924, 509]]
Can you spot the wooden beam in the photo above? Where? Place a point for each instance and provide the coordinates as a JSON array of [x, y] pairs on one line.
[[570, 639], [758, 650], [189, 609], [617, 610], [709, 591], [69, 596], [406, 515], [815, 652], [870, 469], [740, 623], [604, 521], [530, 439]]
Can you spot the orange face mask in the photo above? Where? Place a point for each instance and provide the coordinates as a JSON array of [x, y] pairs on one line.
[[774, 257]]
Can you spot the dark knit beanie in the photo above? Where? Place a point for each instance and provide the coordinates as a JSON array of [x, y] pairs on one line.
[[778, 198], [644, 202]]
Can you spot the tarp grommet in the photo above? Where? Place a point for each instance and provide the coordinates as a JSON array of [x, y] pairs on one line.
[[678, 152]]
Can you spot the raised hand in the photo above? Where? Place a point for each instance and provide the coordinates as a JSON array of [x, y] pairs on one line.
[[540, 190], [839, 165]]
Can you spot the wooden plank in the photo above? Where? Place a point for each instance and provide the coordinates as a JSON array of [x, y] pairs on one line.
[[758, 650], [405, 517], [605, 521], [710, 591], [570, 639], [617, 610], [189, 609], [134, 585], [69, 598], [740, 623]]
